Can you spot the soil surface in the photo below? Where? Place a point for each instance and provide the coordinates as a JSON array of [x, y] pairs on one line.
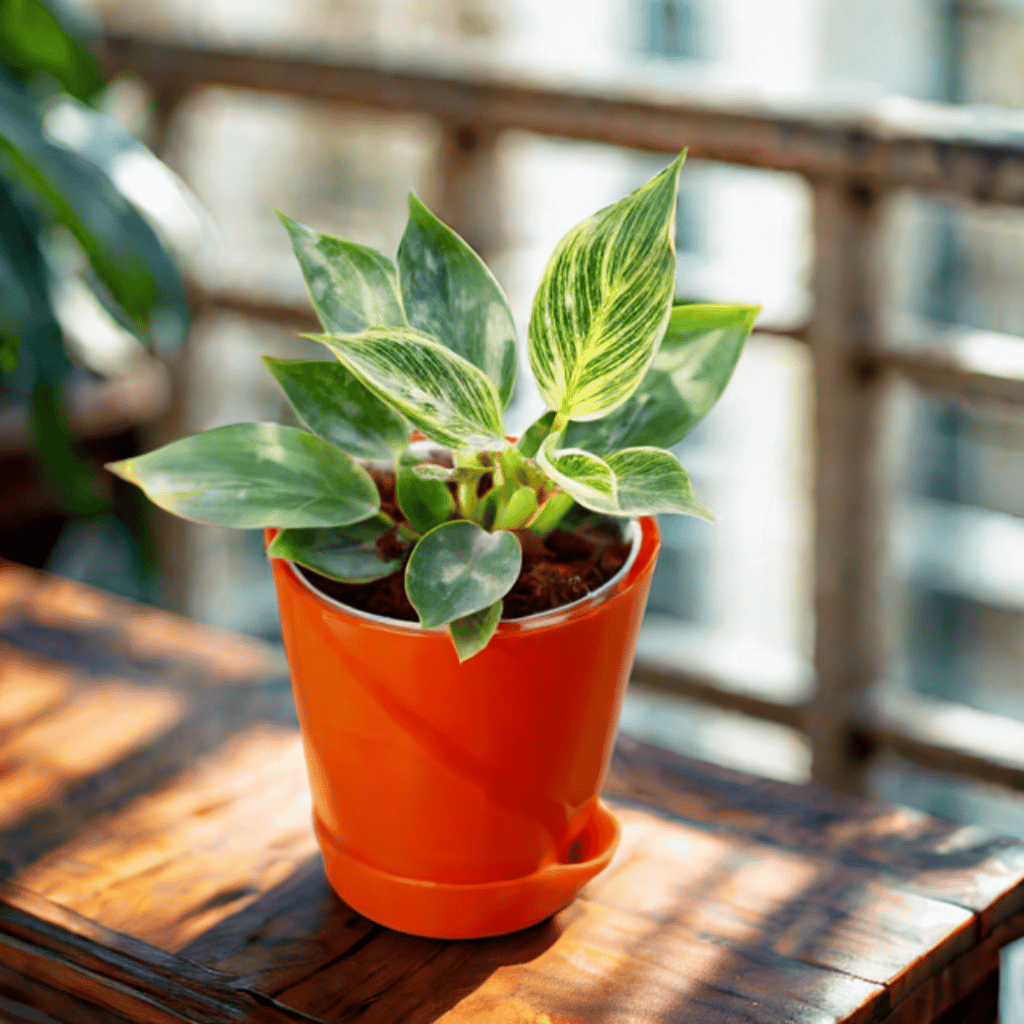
[[557, 569]]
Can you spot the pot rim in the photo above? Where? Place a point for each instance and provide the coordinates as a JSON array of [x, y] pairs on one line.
[[632, 531]]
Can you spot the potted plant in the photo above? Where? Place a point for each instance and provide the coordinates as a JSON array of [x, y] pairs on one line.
[[459, 610]]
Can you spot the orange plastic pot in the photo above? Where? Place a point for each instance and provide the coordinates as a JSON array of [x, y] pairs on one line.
[[461, 800]]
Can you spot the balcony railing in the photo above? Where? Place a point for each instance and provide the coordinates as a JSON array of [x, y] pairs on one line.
[[852, 163]]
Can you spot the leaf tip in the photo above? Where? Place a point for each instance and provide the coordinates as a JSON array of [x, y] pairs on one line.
[[673, 170], [124, 469], [703, 512]]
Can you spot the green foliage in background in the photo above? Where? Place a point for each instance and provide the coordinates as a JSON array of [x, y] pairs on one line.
[[430, 345], [49, 186]]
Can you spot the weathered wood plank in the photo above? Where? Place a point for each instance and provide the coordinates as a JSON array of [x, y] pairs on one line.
[[48, 948], [24, 1001], [966, 866], [96, 632], [801, 907], [285, 936]]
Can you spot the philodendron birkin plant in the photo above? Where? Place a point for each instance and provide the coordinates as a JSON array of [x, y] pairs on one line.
[[430, 345]]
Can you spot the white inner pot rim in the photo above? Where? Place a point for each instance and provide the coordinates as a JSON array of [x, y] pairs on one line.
[[632, 532]]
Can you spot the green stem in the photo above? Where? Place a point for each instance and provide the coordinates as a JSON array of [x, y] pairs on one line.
[[551, 513]]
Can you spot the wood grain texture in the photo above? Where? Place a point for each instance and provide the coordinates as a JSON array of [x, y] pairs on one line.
[[160, 866]]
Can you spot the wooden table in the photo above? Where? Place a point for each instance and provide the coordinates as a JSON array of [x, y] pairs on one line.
[[159, 865]]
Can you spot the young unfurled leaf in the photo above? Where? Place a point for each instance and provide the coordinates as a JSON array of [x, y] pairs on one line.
[[346, 553], [517, 510], [333, 403], [426, 503], [450, 294], [459, 568], [448, 398], [457, 474], [697, 357], [552, 513], [586, 477], [633, 482], [603, 305], [254, 475], [534, 435], [353, 287], [472, 633]]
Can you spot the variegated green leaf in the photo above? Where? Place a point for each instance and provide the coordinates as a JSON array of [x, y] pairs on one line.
[[450, 294], [437, 390], [603, 305], [697, 357], [633, 482], [353, 287], [650, 481], [459, 568], [586, 477], [472, 633], [252, 475], [346, 553], [333, 403]]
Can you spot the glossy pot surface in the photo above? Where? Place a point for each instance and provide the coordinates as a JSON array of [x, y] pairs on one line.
[[460, 800]]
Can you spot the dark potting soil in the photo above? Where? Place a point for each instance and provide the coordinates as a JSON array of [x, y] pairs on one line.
[[557, 569]]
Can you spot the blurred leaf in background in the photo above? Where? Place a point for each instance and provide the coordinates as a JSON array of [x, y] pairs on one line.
[[78, 195]]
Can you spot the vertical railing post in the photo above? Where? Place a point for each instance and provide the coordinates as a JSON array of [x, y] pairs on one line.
[[175, 537], [470, 185], [848, 647]]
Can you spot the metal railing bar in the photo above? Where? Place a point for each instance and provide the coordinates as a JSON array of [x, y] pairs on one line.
[[933, 149], [300, 315], [848, 649], [945, 737], [720, 691], [96, 409], [940, 373], [940, 735], [953, 360]]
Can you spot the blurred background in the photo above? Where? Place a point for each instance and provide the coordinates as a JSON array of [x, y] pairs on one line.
[[729, 654]]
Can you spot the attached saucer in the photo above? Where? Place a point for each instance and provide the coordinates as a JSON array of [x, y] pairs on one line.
[[446, 911]]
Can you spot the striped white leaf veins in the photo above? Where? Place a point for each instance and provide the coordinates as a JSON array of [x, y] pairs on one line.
[[604, 303], [437, 390]]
